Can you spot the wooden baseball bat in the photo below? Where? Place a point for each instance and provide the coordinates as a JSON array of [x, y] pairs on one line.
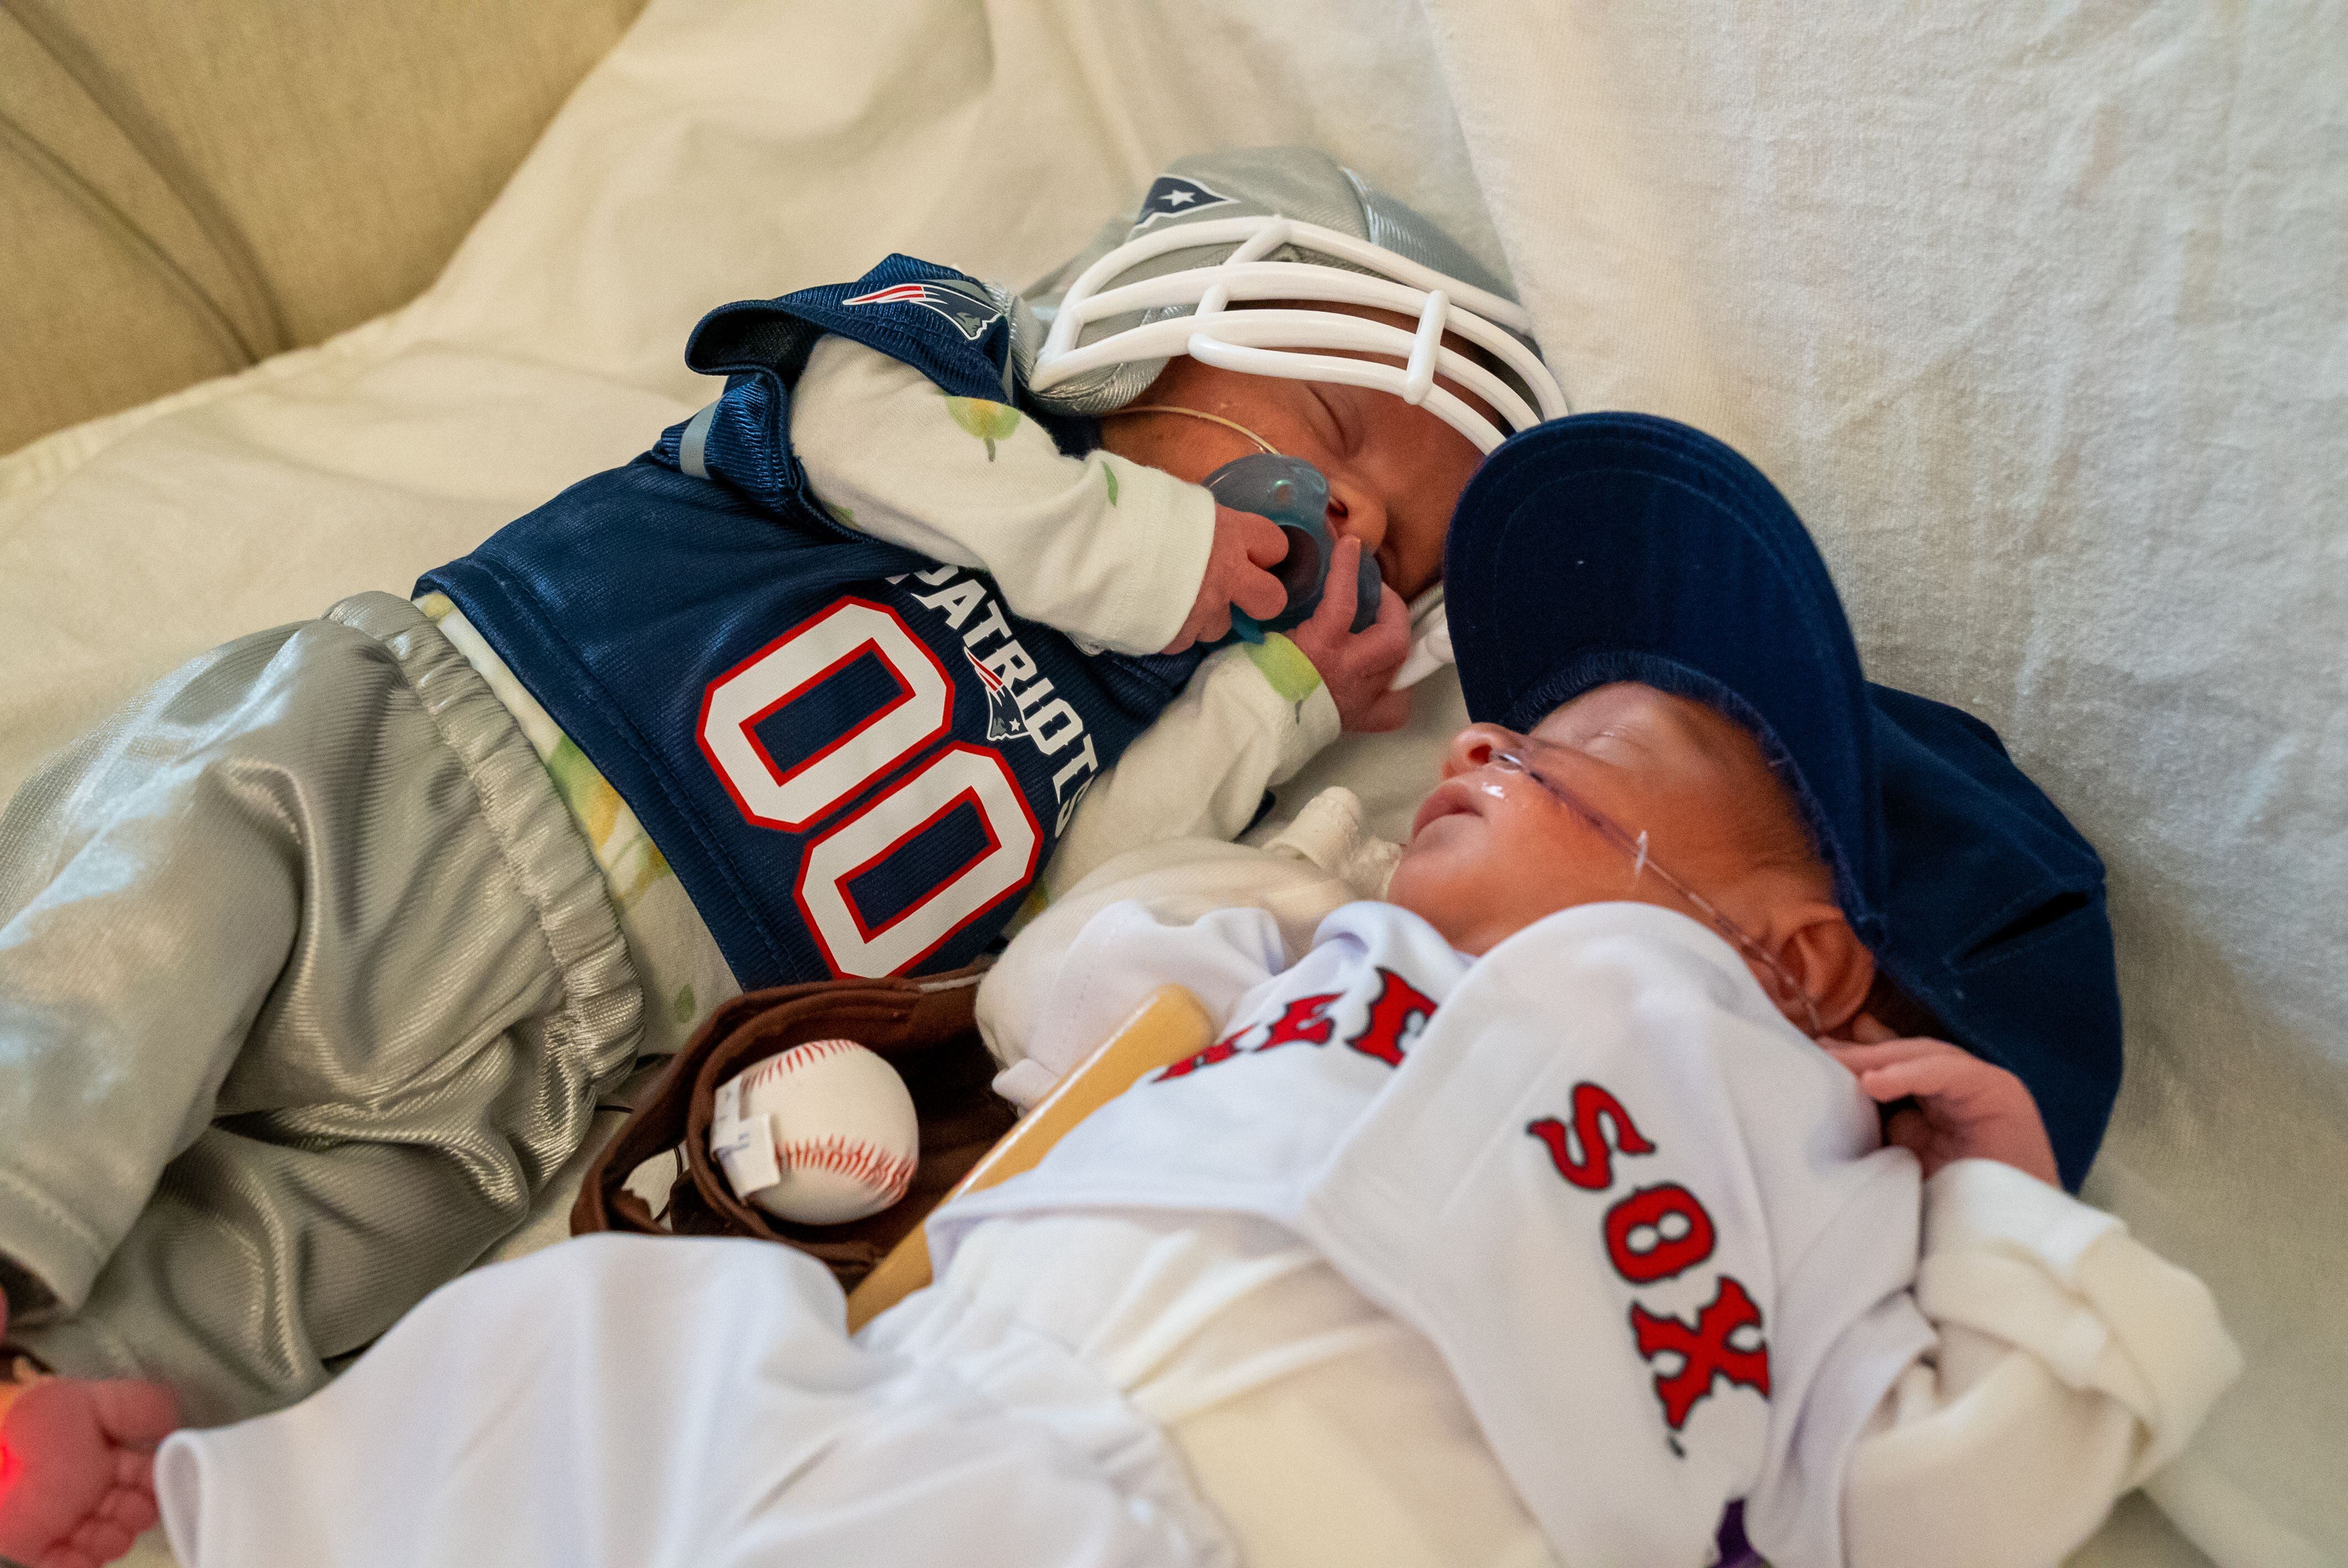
[[1168, 1026]]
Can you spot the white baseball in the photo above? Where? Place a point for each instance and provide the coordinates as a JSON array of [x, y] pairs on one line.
[[843, 1133]]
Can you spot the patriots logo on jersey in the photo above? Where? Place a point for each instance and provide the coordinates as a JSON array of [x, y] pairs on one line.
[[966, 304], [1172, 195], [1003, 719]]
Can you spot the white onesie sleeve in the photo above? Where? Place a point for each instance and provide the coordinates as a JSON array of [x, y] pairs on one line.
[[1105, 549], [1249, 718], [2071, 1363], [1328, 860], [1127, 951]]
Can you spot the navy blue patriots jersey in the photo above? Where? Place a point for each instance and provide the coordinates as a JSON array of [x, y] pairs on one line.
[[855, 759]]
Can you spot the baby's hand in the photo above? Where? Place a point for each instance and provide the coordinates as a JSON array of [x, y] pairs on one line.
[[1358, 666], [1244, 545], [1964, 1108]]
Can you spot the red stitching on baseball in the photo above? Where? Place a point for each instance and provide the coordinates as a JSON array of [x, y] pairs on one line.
[[854, 1158], [794, 1059]]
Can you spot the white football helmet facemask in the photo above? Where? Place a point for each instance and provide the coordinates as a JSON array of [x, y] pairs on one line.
[[1277, 342]]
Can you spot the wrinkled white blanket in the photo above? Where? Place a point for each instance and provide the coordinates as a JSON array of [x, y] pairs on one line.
[[2038, 313]]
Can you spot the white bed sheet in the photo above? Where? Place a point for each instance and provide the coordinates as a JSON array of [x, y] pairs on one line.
[[2039, 315]]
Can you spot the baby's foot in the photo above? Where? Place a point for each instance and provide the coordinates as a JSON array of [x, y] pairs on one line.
[[78, 1470]]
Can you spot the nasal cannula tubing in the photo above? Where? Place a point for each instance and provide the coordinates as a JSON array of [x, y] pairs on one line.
[[1643, 864]]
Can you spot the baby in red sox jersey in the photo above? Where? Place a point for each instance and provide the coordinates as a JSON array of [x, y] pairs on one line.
[[1546, 1211]]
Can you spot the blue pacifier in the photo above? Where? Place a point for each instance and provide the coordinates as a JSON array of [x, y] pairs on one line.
[[1292, 493]]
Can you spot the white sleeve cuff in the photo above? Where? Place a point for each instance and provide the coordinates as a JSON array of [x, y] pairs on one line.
[[2011, 1258], [1161, 534], [1971, 1205]]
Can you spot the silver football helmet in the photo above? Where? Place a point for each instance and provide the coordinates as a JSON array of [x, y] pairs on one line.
[[1286, 224], [1280, 342]]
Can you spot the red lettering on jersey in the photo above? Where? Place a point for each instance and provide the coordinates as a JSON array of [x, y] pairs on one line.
[[1704, 1350], [1398, 1003], [1303, 1019], [1222, 1049], [1653, 1208], [1593, 1168]]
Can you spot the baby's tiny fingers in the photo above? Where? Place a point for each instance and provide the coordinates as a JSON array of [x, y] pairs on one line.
[[1261, 538], [1342, 587], [1919, 1079], [1860, 1058], [1259, 593], [1909, 1131]]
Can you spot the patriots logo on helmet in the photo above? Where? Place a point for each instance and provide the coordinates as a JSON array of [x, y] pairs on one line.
[[1003, 719], [1171, 195], [966, 304]]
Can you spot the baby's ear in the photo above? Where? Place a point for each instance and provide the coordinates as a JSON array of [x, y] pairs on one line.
[[1826, 957]]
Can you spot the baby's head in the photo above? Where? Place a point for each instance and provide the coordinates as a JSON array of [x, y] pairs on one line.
[[1394, 471], [1643, 601], [1629, 794], [1268, 297]]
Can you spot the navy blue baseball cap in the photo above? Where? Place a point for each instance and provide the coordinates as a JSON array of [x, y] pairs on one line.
[[1622, 547]]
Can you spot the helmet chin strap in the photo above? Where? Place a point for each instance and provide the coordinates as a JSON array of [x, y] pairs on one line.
[[1195, 414]]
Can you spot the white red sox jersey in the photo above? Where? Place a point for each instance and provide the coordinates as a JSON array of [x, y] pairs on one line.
[[1643, 1226], [1647, 1225]]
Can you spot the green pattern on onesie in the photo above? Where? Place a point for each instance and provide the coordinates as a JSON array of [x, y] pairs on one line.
[[990, 422], [627, 853], [1285, 666]]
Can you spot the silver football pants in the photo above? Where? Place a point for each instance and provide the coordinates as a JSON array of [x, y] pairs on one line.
[[308, 983]]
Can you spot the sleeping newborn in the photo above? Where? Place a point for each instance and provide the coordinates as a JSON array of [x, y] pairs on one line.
[[1542, 1211]]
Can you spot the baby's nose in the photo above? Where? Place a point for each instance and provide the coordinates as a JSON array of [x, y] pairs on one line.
[[1470, 749]]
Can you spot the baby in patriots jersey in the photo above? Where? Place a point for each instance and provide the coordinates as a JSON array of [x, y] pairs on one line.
[[1519, 1218], [950, 547]]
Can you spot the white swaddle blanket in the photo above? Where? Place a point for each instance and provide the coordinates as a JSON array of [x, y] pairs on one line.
[[712, 1413]]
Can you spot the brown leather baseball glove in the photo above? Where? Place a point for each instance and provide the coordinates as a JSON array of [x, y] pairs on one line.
[[921, 1027]]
